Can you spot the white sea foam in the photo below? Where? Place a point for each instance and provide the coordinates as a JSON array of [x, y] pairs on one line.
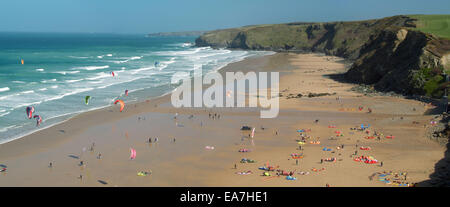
[[6, 128], [73, 81], [40, 69], [141, 69], [67, 72], [18, 82], [72, 92], [4, 89], [92, 67], [109, 55], [27, 92], [99, 76], [50, 80], [78, 57], [127, 59]]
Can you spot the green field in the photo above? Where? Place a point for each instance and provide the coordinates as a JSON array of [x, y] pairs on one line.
[[435, 24]]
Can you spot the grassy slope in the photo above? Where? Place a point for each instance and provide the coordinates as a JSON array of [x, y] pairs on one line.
[[438, 25]]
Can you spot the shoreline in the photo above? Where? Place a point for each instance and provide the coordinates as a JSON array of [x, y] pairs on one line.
[[75, 114], [111, 130]]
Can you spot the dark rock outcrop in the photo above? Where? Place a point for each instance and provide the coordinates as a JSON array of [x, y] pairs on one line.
[[392, 57]]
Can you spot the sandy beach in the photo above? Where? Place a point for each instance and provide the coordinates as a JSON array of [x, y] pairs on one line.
[[179, 157]]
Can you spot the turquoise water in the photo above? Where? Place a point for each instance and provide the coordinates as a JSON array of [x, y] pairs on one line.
[[59, 70]]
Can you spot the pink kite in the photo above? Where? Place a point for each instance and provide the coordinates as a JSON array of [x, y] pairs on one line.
[[133, 153], [30, 110]]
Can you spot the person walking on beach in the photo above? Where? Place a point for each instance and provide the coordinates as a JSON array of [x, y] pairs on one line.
[[235, 166], [99, 156], [381, 164], [50, 165], [296, 162], [321, 161]]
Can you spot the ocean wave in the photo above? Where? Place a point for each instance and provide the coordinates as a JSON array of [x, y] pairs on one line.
[[27, 104], [18, 82], [4, 114], [186, 44], [181, 53], [78, 57], [4, 89], [49, 80], [40, 69], [73, 81], [7, 128], [92, 67], [109, 55], [43, 89], [127, 59], [67, 72], [27, 92], [99, 75], [76, 91], [140, 69]]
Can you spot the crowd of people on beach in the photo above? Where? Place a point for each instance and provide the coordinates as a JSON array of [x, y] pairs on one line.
[[304, 136]]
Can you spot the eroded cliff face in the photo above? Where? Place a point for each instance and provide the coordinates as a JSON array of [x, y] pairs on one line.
[[387, 53], [392, 59]]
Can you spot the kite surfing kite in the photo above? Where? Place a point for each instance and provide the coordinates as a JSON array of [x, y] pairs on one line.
[[253, 132], [86, 99], [132, 153], [122, 104], [112, 73], [30, 110], [38, 120]]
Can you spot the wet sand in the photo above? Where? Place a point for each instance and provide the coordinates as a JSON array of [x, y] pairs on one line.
[[186, 162]]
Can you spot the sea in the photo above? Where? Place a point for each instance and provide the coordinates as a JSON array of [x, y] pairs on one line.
[[59, 70]]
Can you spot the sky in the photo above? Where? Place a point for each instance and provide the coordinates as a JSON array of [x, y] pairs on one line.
[[150, 16]]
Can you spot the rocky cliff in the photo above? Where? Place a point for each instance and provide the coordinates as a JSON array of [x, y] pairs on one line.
[[388, 53], [402, 60]]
